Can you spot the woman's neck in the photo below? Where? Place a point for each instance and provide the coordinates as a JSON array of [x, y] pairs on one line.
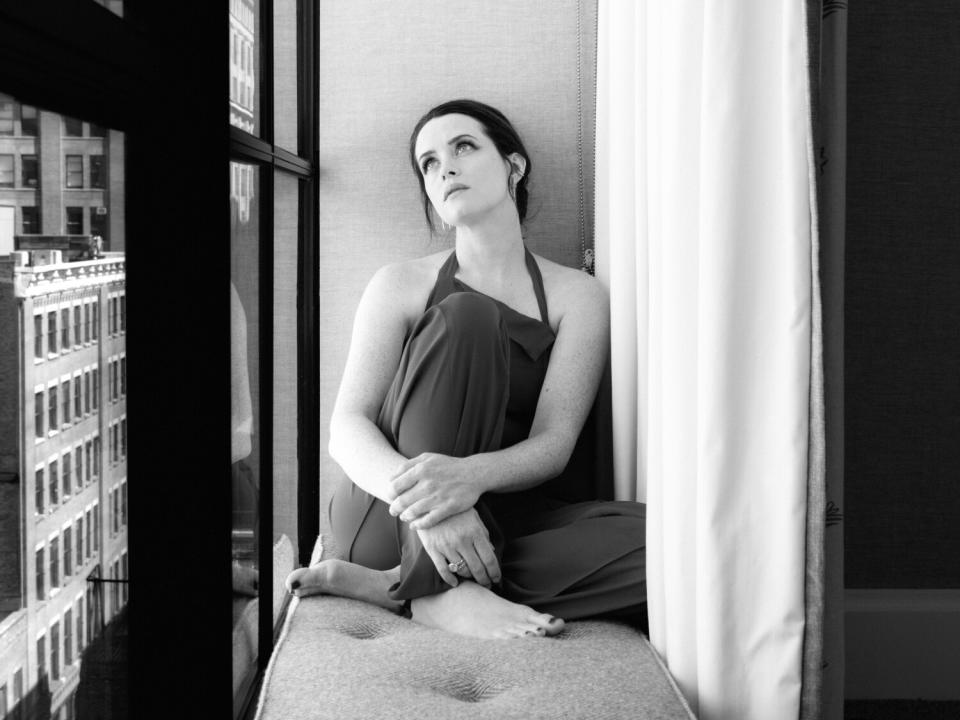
[[492, 249]]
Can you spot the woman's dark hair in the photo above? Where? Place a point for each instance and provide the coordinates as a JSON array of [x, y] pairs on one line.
[[497, 128]]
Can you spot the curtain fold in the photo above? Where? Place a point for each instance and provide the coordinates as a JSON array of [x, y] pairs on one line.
[[705, 232]]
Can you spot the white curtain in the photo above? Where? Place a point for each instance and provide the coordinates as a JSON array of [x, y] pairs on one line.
[[705, 229]]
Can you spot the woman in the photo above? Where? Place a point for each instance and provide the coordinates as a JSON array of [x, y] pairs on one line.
[[469, 378]]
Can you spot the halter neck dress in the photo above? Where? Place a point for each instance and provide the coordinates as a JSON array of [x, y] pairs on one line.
[[468, 382]]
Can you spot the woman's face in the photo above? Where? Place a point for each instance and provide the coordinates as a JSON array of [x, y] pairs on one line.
[[464, 174]]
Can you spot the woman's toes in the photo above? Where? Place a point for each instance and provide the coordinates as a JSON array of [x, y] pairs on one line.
[[548, 623]]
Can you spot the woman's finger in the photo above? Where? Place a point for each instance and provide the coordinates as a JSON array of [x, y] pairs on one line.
[[488, 557], [477, 569], [405, 500], [433, 517], [414, 511], [441, 564]]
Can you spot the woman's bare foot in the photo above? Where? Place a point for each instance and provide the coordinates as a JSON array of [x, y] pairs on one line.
[[345, 579], [471, 609]]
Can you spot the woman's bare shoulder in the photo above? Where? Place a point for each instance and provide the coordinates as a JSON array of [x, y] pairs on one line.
[[406, 284], [568, 287]]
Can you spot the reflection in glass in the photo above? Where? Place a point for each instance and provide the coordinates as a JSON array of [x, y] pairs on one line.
[[54, 546], [285, 74], [244, 334], [244, 65]]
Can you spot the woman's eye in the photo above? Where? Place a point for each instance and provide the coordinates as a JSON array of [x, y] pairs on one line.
[[428, 165], [463, 144]]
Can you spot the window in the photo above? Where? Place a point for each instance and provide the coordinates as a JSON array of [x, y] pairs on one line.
[[77, 397], [28, 120], [38, 336], [86, 322], [6, 171], [123, 575], [68, 637], [74, 167], [38, 412], [89, 526], [98, 172], [53, 483], [28, 171], [54, 562], [52, 407], [86, 391], [52, 332], [6, 115], [41, 570], [115, 377], [77, 326], [123, 510], [31, 220], [41, 658], [78, 463], [38, 490], [88, 451], [96, 320], [72, 127], [96, 527], [123, 440], [96, 454], [78, 523], [97, 130], [55, 650], [67, 400], [123, 313], [67, 474], [67, 553], [74, 220], [123, 375], [18, 692], [98, 224], [95, 373], [65, 329], [80, 640]]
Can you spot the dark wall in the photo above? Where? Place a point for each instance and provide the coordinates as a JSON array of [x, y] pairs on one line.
[[902, 343]]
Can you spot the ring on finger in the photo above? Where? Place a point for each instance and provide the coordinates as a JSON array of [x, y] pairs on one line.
[[456, 567]]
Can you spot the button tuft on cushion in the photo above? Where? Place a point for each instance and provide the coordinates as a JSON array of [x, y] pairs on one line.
[[363, 630]]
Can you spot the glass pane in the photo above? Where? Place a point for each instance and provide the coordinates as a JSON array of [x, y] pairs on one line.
[[245, 378], [285, 376], [114, 6], [285, 74], [245, 65], [54, 273]]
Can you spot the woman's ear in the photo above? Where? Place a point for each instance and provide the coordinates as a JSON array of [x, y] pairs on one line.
[[518, 163]]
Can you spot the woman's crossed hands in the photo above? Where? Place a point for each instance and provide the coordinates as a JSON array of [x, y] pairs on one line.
[[431, 487], [462, 537]]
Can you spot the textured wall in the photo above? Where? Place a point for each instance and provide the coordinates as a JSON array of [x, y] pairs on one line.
[[382, 65], [903, 296]]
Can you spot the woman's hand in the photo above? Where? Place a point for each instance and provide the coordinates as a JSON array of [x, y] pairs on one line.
[[462, 536], [430, 488]]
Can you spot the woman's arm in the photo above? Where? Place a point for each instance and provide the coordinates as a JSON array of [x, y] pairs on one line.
[[432, 487], [356, 443]]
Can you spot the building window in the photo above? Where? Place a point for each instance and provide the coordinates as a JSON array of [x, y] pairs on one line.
[[52, 332], [66, 474], [67, 400], [79, 525], [96, 527], [96, 387], [41, 658], [53, 483], [115, 496], [123, 437], [52, 407], [41, 569], [28, 120], [38, 490], [6, 115], [98, 224], [77, 398], [31, 220], [115, 376], [38, 336], [38, 412], [97, 446], [78, 462], [88, 450], [18, 693], [86, 322], [77, 326], [123, 375], [67, 553], [96, 319], [72, 127], [65, 328], [98, 171], [28, 171], [86, 392], [124, 567], [89, 530], [68, 637], [74, 220], [123, 313], [80, 639], [6, 171], [54, 563], [55, 650], [74, 166], [97, 130]]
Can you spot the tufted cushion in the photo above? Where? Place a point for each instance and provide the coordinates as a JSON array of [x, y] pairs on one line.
[[345, 659]]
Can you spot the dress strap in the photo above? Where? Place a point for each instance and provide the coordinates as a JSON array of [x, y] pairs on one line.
[[538, 290]]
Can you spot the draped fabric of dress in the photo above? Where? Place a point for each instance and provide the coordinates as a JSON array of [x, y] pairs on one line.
[[468, 382], [707, 239]]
